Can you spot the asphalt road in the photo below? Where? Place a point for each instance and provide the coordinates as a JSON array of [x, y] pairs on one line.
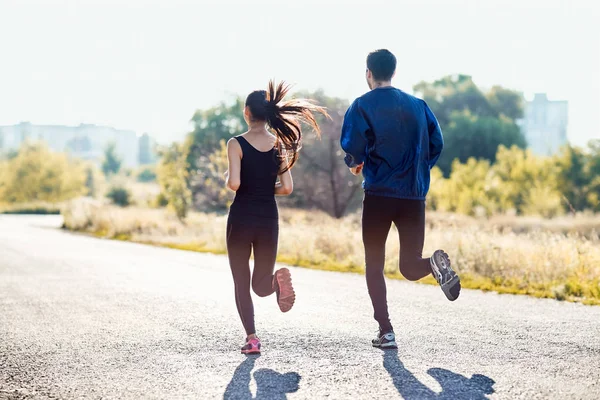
[[88, 318]]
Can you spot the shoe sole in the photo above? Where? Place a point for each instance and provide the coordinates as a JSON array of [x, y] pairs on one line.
[[439, 257], [391, 345], [287, 296]]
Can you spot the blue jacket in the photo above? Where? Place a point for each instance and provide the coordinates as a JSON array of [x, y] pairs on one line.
[[397, 137]]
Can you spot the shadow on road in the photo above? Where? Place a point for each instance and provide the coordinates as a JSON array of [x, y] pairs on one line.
[[454, 386], [269, 384]]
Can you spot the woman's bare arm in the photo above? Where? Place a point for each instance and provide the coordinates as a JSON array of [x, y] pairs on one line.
[[285, 186], [234, 160]]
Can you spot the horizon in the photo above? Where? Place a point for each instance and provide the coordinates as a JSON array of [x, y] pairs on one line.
[[145, 66], [228, 100]]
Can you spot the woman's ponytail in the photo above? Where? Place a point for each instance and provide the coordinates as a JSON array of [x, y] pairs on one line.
[[285, 118]]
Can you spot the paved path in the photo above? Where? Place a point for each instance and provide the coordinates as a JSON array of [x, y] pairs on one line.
[[88, 318]]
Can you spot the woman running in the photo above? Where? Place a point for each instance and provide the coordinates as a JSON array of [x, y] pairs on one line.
[[259, 168]]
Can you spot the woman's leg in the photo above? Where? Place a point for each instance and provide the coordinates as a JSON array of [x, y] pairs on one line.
[[239, 245], [265, 255], [264, 282]]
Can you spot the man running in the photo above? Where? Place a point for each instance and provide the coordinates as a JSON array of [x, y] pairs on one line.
[[394, 139]]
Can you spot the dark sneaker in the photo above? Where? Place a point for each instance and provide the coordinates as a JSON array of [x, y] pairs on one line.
[[385, 340], [282, 283], [445, 275]]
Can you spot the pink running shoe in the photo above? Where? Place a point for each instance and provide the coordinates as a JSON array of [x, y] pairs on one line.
[[282, 283], [252, 346]]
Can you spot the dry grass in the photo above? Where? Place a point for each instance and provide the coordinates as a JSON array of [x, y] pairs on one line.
[[143, 193], [583, 224], [508, 255]]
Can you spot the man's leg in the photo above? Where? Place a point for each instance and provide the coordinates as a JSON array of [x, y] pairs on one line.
[[410, 221], [376, 223]]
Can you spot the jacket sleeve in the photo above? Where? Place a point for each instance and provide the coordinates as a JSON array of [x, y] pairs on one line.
[[436, 141], [354, 139]]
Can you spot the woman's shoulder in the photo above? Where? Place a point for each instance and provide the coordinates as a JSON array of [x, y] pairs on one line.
[[235, 143]]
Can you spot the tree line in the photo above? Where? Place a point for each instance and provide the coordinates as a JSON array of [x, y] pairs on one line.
[[484, 167]]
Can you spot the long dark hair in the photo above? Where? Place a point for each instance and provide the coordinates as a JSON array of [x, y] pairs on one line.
[[284, 118]]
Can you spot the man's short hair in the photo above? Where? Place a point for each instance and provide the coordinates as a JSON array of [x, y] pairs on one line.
[[382, 64]]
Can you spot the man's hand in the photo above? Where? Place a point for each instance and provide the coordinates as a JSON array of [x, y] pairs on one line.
[[358, 169]]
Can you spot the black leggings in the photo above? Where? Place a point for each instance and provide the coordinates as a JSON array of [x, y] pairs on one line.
[[409, 218], [244, 234]]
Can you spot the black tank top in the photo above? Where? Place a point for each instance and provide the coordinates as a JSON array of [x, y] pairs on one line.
[[256, 194]]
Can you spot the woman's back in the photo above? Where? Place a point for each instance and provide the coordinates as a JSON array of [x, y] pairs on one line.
[[258, 175]]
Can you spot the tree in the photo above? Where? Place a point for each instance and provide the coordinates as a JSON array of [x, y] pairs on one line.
[[506, 102], [208, 184], [38, 174], [173, 174], [112, 162], [322, 179], [454, 93], [529, 182], [468, 135], [518, 181], [473, 123], [573, 177], [212, 126], [593, 169], [471, 189], [579, 176]]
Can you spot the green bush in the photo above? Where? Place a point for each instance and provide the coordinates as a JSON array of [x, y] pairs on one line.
[[119, 196], [37, 174], [147, 174], [160, 201], [518, 181], [471, 189]]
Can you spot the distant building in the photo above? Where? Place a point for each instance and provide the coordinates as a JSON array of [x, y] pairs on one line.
[[85, 141], [545, 124], [148, 151]]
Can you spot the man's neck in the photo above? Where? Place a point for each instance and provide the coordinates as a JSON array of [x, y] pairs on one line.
[[381, 84]]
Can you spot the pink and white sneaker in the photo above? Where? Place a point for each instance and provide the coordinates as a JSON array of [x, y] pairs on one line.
[[252, 346], [282, 283]]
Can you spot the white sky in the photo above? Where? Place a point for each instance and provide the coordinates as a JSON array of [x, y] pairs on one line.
[[148, 65]]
